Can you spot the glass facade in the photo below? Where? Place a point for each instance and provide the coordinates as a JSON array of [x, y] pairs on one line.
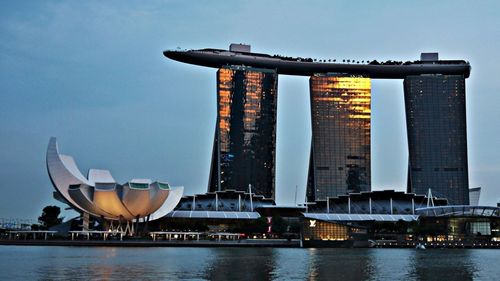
[[328, 231], [340, 154], [463, 228], [245, 137], [437, 136]]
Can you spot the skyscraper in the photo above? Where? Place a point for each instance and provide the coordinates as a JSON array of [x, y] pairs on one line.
[[340, 107], [340, 152], [437, 136], [245, 136]]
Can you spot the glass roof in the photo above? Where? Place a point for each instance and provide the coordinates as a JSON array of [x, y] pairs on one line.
[[138, 185], [213, 215], [163, 185], [359, 217], [459, 210]]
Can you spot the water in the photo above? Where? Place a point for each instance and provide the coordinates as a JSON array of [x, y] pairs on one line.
[[81, 263]]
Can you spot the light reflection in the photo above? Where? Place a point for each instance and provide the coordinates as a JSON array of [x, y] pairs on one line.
[[245, 138], [92, 263], [341, 118]]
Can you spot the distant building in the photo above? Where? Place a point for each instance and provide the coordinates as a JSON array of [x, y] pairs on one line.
[[429, 57], [474, 195], [340, 152], [437, 136], [239, 48], [244, 151]]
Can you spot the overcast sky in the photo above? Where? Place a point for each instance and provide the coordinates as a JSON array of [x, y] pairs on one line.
[[92, 74]]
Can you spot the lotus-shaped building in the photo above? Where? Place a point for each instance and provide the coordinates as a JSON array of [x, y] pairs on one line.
[[101, 196]]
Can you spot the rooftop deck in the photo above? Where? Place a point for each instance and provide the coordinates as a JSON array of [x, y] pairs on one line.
[[307, 66]]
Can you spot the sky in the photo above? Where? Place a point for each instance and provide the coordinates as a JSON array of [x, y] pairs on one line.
[[92, 74]]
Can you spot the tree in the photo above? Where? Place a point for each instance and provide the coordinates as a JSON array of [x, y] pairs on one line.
[[50, 217]]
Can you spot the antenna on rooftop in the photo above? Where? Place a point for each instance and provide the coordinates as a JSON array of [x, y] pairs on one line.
[[296, 187], [251, 201], [430, 200]]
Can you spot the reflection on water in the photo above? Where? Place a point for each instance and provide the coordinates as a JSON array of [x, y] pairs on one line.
[[458, 266], [231, 263], [355, 264], [80, 263]]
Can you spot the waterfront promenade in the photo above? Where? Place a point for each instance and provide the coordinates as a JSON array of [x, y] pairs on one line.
[[293, 243], [278, 243]]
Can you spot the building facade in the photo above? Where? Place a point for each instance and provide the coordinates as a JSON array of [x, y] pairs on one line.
[[245, 137], [340, 151], [437, 136]]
